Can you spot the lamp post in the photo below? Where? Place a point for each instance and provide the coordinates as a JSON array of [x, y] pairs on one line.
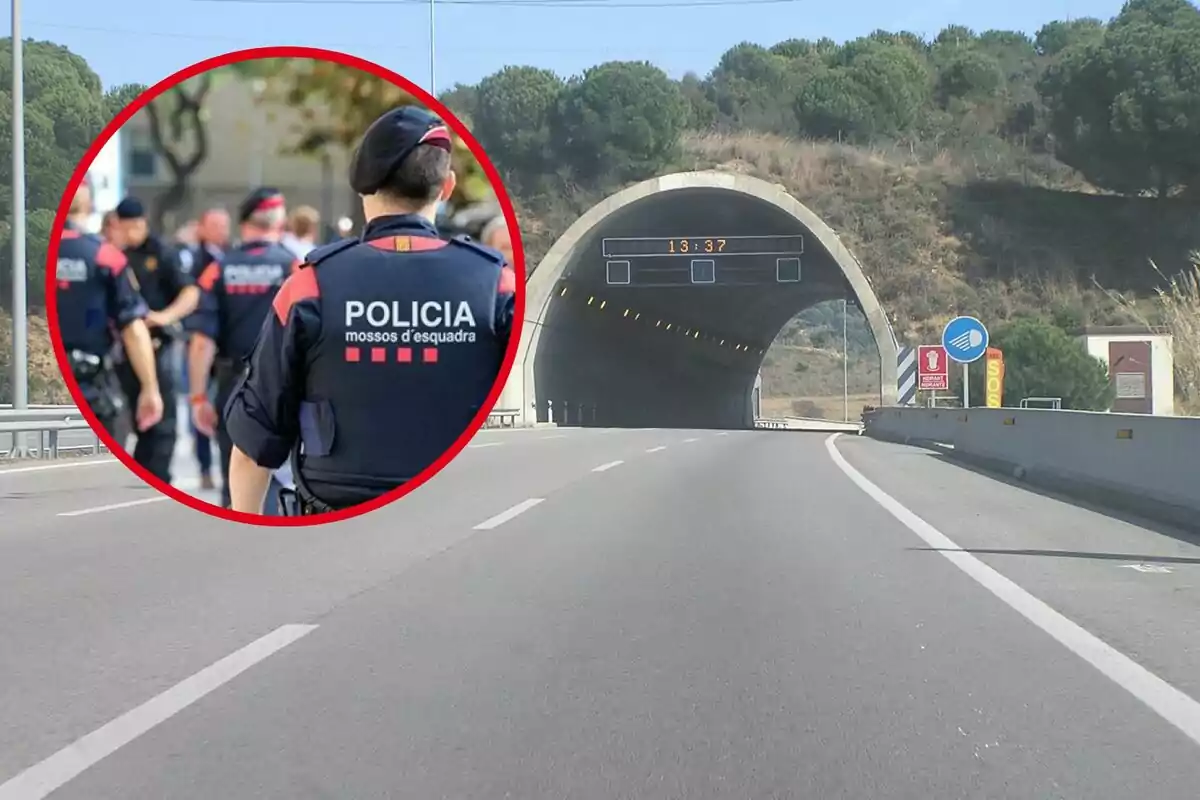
[[432, 49], [20, 365], [845, 366]]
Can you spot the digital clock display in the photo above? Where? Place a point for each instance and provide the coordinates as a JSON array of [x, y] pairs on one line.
[[704, 246]]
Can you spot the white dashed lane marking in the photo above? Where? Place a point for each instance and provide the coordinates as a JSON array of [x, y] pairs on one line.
[[114, 506], [45, 777], [504, 516], [65, 465]]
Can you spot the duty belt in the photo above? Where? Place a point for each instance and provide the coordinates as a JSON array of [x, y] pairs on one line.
[[92, 372], [87, 367], [299, 503]]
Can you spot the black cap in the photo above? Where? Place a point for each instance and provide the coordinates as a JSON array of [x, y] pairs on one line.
[[261, 199], [389, 141], [130, 208]]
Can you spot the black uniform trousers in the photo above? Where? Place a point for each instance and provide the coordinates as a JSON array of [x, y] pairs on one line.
[[227, 375], [155, 446]]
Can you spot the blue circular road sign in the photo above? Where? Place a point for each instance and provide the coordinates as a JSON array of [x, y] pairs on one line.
[[965, 339]]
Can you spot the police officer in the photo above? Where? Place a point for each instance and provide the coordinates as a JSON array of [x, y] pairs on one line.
[[96, 296], [212, 237], [380, 350], [238, 290], [170, 295]]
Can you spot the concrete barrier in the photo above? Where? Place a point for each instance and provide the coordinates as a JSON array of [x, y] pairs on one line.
[[1130, 462]]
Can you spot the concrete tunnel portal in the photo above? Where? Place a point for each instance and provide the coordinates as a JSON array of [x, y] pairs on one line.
[[657, 306]]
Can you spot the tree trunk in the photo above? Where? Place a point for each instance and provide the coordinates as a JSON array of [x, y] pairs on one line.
[[185, 114]]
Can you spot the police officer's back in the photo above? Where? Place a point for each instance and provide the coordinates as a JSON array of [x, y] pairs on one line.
[[96, 298], [237, 292], [381, 349], [168, 291]]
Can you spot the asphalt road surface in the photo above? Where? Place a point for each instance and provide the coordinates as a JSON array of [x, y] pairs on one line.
[[602, 614]]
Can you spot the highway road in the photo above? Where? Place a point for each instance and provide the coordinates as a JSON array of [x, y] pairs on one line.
[[602, 614]]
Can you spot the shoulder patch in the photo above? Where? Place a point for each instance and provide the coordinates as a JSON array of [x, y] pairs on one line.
[[299, 287], [208, 278], [508, 281], [467, 242], [110, 258], [323, 253]]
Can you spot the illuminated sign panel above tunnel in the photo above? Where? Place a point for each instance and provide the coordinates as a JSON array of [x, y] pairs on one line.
[[643, 247], [666, 261]]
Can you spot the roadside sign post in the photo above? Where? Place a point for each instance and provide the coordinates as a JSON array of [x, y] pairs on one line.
[[965, 340], [933, 368]]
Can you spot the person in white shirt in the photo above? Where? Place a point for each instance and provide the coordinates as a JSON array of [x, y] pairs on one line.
[[301, 234]]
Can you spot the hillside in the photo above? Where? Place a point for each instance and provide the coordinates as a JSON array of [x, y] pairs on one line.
[[45, 381]]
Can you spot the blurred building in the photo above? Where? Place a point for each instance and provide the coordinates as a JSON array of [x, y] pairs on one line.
[[243, 151], [106, 175], [1141, 366]]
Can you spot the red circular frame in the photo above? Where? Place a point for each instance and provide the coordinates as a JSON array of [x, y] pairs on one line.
[[316, 54]]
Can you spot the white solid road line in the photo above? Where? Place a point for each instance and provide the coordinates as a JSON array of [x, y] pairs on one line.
[[1174, 706], [115, 506], [486, 444], [66, 465], [45, 777], [504, 516], [608, 466], [656, 449]]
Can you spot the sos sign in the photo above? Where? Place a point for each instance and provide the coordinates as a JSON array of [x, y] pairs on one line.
[[994, 378]]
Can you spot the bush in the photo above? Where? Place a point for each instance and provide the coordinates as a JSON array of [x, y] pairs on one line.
[[1042, 360]]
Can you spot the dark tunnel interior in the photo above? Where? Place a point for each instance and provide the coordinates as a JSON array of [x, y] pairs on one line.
[[665, 310]]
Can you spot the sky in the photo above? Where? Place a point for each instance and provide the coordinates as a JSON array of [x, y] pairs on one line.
[[144, 41]]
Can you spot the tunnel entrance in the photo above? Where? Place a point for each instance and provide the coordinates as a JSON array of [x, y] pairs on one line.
[[656, 307]]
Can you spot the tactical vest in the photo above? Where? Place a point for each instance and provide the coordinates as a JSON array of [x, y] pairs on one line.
[[407, 357], [82, 296], [250, 277]]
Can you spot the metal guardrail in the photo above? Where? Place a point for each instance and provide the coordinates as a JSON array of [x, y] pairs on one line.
[[38, 407], [1054, 403], [498, 417], [48, 422], [811, 424]]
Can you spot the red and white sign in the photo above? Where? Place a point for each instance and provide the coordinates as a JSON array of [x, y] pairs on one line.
[[933, 368]]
